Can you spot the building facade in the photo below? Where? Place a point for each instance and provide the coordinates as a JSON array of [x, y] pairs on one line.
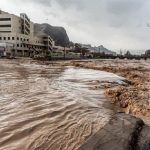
[[19, 31]]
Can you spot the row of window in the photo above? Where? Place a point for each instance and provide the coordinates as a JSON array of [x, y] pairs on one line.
[[5, 25], [8, 38], [37, 41], [27, 29], [25, 46], [27, 24], [13, 38], [5, 19], [24, 16], [5, 31], [21, 45]]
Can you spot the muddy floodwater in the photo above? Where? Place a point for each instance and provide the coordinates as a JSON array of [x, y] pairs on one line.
[[50, 107]]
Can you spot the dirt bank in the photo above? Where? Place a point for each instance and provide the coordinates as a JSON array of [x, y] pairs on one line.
[[133, 97]]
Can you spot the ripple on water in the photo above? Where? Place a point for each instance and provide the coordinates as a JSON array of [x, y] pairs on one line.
[[49, 107]]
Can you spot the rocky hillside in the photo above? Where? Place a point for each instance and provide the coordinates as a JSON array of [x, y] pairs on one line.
[[58, 34], [102, 49]]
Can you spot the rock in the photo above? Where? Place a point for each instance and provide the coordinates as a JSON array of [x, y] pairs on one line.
[[121, 133], [144, 140]]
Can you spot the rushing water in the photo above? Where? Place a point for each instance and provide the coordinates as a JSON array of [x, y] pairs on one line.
[[48, 107]]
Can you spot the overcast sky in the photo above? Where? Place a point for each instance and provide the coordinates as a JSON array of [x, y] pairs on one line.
[[116, 24]]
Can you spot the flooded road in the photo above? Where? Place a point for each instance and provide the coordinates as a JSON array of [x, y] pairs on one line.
[[50, 107]]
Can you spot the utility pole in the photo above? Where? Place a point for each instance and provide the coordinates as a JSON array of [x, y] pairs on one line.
[[64, 52]]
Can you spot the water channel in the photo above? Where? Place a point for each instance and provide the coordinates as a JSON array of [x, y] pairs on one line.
[[50, 107]]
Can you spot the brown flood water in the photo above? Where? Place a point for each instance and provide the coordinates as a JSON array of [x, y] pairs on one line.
[[49, 107]]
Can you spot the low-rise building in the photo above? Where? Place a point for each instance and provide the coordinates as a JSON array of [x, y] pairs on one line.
[[6, 49], [19, 31], [147, 53]]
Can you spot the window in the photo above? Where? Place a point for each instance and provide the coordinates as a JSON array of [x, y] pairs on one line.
[[8, 38], [4, 38], [13, 38], [21, 45], [0, 38], [17, 38], [17, 45], [5, 19], [4, 31], [7, 25]]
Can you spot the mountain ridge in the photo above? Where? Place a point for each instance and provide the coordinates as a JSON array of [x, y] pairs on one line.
[[57, 33]]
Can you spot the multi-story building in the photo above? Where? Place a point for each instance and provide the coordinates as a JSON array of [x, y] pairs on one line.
[[19, 31]]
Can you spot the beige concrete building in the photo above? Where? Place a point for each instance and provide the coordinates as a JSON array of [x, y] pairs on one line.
[[19, 31]]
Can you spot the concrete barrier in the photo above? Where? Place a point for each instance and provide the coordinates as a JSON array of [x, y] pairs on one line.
[[123, 132]]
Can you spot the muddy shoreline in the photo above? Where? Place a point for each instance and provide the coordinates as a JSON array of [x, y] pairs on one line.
[[133, 97]]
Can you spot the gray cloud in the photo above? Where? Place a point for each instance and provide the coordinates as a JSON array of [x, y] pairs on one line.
[[114, 23], [118, 7], [65, 4]]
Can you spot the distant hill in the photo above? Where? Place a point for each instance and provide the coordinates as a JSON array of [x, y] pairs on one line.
[[58, 34], [99, 49], [102, 49]]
